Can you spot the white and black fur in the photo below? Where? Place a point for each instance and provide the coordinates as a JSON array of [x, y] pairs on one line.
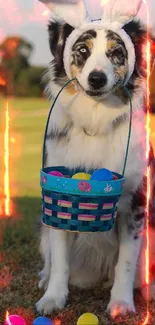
[[89, 129]]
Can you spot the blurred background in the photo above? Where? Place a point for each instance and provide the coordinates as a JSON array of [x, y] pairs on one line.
[[24, 56], [24, 50]]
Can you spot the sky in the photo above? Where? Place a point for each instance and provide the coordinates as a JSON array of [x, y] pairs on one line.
[[29, 18]]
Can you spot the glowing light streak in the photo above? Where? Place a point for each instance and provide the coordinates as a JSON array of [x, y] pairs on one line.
[[6, 163], [148, 173], [147, 252], [148, 119], [7, 318]]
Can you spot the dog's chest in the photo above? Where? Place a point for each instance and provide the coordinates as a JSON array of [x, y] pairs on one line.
[[79, 149], [93, 151]]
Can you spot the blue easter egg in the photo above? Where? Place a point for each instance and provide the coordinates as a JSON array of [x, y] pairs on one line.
[[102, 174], [42, 321]]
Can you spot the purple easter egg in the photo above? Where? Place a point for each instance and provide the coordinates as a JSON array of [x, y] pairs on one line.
[[56, 173]]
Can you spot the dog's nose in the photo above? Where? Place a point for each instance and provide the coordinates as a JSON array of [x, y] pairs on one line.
[[97, 79]]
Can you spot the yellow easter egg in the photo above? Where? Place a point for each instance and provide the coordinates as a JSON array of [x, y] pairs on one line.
[[88, 319], [82, 176]]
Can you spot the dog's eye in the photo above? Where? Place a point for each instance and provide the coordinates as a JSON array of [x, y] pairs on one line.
[[83, 50], [117, 52]]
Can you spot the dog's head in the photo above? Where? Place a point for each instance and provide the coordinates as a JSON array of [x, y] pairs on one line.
[[99, 58]]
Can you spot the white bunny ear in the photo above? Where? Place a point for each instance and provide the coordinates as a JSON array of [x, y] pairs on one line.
[[120, 12], [71, 11], [94, 9]]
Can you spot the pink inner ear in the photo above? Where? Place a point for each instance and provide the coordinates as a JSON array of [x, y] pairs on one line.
[[115, 10]]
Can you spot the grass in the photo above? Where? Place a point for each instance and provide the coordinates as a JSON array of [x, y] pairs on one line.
[[28, 118], [19, 257]]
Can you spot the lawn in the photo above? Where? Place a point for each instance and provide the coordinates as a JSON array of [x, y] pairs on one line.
[[28, 118], [19, 257]]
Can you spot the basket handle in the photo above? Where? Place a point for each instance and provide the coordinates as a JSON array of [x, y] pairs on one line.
[[129, 132], [48, 119], [49, 115]]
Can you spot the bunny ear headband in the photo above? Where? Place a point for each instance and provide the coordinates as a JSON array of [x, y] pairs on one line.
[[97, 14]]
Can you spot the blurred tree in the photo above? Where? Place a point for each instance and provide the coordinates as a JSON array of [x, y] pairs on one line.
[[35, 74], [28, 83], [15, 53]]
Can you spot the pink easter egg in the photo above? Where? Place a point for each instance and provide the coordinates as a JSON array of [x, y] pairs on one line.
[[14, 320], [114, 177], [84, 186], [56, 173]]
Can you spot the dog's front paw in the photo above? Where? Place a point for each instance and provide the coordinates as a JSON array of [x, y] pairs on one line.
[[120, 307], [53, 302]]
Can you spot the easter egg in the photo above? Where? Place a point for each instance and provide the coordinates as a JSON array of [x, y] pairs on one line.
[[88, 319], [84, 176], [102, 174], [114, 177], [42, 321], [56, 173], [14, 320]]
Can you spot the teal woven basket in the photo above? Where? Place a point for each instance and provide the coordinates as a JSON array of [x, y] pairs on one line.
[[79, 205]]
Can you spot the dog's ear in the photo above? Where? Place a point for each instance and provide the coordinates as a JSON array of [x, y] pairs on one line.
[[58, 33], [140, 37]]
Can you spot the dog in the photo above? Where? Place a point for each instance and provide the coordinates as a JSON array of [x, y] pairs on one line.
[[89, 129]]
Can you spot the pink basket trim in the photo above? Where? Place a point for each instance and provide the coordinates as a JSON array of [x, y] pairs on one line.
[[48, 212], [64, 215], [107, 206], [86, 217], [65, 204], [48, 199], [88, 206], [105, 217]]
